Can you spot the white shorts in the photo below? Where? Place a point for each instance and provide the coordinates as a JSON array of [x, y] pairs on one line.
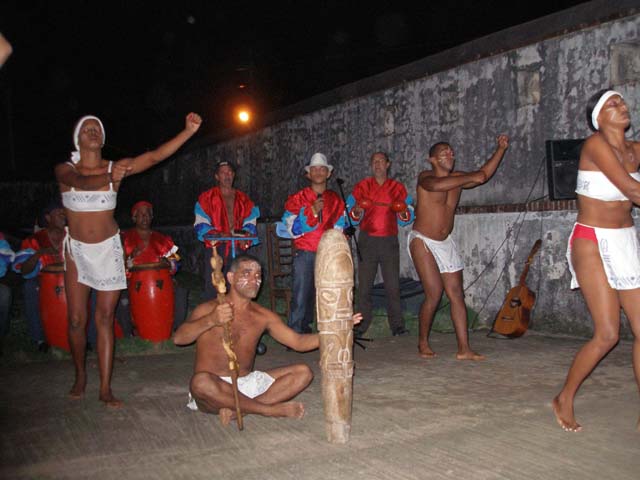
[[445, 252], [100, 265], [251, 385], [620, 256]]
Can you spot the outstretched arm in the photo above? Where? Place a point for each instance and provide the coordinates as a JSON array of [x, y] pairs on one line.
[[148, 159], [292, 339], [430, 182]]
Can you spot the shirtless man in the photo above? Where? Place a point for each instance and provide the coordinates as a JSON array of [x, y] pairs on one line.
[[431, 247], [265, 393]]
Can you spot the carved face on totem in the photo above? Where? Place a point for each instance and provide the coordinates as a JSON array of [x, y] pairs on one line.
[[334, 279]]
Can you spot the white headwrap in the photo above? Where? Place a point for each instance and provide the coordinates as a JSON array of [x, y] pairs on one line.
[[75, 156], [596, 110]]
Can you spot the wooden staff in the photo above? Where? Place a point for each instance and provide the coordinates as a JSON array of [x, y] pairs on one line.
[[219, 283]]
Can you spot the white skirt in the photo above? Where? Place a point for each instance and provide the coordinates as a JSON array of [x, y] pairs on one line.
[[445, 252], [100, 265], [620, 256]]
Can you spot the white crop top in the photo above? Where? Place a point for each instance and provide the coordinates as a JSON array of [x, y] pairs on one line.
[[596, 185], [90, 200]]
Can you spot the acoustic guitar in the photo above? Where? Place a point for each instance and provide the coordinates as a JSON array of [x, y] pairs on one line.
[[513, 318]]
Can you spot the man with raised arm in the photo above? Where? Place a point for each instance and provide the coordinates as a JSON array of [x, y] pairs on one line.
[[431, 247]]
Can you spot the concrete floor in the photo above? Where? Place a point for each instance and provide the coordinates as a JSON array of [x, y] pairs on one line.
[[412, 419]]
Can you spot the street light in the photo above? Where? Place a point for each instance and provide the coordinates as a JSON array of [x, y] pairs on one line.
[[244, 116]]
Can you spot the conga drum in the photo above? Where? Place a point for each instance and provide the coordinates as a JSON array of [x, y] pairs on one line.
[[53, 306], [151, 298]]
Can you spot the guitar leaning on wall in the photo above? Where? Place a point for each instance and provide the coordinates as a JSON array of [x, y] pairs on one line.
[[513, 318]]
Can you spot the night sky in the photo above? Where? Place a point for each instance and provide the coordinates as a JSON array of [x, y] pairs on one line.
[[141, 67]]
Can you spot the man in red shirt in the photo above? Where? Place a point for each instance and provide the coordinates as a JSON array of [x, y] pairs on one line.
[[308, 214], [224, 212], [378, 205], [37, 252], [144, 246]]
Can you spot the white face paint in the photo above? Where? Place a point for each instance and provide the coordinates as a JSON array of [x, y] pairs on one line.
[[248, 278]]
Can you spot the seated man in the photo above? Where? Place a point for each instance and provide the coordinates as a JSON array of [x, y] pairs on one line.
[[40, 252], [265, 393], [145, 246], [6, 259]]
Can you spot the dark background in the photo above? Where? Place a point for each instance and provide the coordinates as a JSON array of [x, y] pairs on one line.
[[142, 66]]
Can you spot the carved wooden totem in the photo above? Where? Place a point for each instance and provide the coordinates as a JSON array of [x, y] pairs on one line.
[[334, 308]]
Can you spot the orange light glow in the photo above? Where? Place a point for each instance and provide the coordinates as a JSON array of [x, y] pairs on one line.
[[244, 116]]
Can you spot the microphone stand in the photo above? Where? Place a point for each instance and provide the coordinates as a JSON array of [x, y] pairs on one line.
[[350, 232]]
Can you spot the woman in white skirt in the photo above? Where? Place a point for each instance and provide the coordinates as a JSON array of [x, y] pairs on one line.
[[93, 251], [603, 246]]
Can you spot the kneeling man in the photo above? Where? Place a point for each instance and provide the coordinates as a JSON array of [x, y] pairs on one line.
[[265, 393]]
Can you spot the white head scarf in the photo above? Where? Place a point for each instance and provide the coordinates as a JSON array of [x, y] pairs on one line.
[[75, 156], [596, 110]]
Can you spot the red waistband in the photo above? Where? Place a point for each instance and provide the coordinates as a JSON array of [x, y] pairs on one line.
[[583, 231]]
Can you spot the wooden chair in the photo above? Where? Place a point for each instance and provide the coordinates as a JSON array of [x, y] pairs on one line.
[[280, 257]]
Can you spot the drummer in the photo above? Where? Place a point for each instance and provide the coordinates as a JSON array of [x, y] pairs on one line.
[[143, 246], [40, 252]]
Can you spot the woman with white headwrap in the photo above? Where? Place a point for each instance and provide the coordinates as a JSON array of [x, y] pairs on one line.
[[603, 251], [93, 251]]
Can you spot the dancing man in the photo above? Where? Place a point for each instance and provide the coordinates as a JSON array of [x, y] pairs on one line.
[[431, 247]]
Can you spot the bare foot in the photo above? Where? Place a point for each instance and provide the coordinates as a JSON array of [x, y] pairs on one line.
[[469, 355], [226, 415], [288, 410], [562, 413], [425, 351], [77, 391], [111, 401]]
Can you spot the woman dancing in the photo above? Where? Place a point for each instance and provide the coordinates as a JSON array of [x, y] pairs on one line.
[[603, 246], [93, 252]]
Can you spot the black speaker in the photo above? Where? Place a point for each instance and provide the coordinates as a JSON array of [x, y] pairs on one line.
[[562, 168]]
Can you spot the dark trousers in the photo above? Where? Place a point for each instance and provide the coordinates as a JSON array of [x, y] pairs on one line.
[[383, 251], [303, 292], [31, 290], [5, 307]]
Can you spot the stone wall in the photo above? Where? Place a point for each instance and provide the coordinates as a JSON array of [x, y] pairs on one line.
[[534, 91]]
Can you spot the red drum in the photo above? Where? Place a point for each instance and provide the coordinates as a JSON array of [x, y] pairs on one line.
[[53, 306], [151, 298]]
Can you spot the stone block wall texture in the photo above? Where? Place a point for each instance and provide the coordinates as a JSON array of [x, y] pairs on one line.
[[534, 93]]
